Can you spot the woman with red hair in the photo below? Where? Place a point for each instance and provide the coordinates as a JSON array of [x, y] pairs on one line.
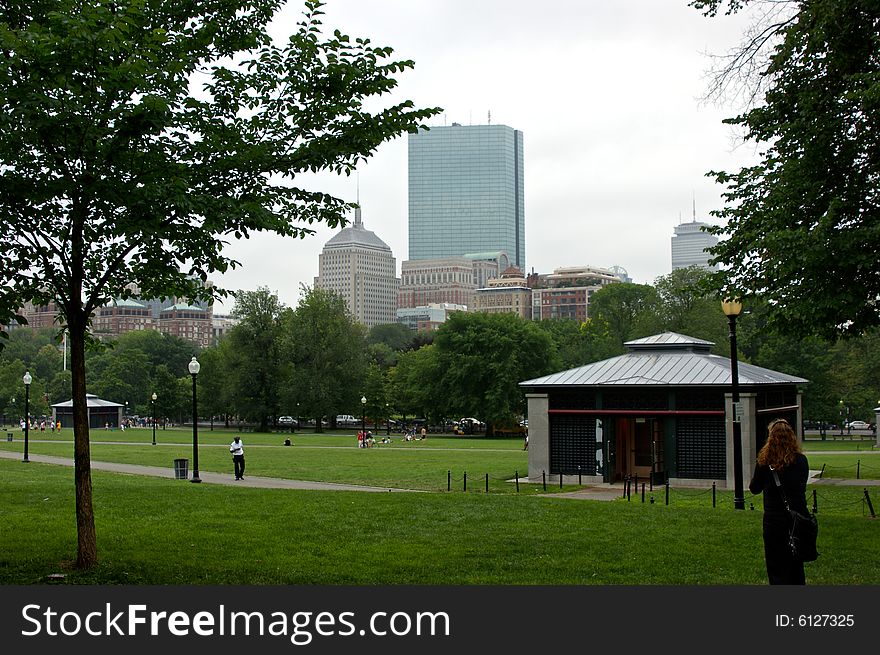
[[782, 455]]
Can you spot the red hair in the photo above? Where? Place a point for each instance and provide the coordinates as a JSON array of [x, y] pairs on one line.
[[782, 446]]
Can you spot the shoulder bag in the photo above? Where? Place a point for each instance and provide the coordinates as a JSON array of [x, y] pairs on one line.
[[803, 532]]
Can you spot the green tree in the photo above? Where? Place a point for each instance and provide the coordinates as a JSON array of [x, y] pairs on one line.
[[394, 335], [216, 392], [415, 384], [115, 168], [173, 395], [253, 365], [685, 307], [483, 358], [327, 349], [801, 226], [627, 311]]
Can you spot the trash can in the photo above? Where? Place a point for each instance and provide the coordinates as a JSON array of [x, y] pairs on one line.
[[8, 436], [181, 469]]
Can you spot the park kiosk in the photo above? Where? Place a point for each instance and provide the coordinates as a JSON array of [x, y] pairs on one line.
[[101, 413], [661, 412]]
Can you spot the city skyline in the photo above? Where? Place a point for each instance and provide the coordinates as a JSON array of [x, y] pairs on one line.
[[618, 142]]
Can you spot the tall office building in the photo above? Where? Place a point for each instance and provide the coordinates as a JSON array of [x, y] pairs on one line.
[[360, 267], [689, 246], [466, 192]]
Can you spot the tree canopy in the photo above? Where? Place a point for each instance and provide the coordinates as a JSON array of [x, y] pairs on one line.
[[802, 226], [138, 138]]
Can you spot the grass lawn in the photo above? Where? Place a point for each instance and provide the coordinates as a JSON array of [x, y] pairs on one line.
[[423, 465], [161, 531]]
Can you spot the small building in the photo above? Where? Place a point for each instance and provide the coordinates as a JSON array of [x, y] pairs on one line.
[[101, 413], [661, 411]]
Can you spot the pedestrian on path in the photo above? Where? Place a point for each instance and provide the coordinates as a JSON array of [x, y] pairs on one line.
[[237, 450], [782, 455]]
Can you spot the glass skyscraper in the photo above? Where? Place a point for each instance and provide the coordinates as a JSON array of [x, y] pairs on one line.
[[466, 192]]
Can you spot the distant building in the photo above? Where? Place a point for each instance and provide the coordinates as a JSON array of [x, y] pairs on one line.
[[122, 316], [507, 294], [187, 322], [690, 245], [466, 192], [428, 317], [40, 316], [452, 280], [221, 324], [566, 292], [359, 266]]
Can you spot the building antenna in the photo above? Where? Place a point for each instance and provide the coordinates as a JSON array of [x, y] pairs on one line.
[[357, 211]]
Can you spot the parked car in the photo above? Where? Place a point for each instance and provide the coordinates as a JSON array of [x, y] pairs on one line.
[[288, 421], [346, 421], [859, 425]]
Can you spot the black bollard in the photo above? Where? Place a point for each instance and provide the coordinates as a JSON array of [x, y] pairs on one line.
[[713, 494], [625, 484], [465, 480], [643, 493], [870, 505], [560, 479], [448, 480], [544, 479], [667, 492], [516, 477], [858, 467], [487, 483], [628, 489]]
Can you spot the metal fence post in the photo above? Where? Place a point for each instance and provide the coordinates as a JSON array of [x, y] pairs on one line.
[[713, 494], [516, 477], [643, 493], [448, 480], [667, 492], [870, 505], [465, 480], [544, 479], [487, 483]]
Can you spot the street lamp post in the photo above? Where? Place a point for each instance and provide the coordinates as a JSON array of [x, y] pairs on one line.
[[732, 309], [363, 415], [842, 421], [194, 367], [387, 418], [153, 410], [27, 379]]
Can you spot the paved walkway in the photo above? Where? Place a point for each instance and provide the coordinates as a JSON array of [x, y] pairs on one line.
[[206, 477]]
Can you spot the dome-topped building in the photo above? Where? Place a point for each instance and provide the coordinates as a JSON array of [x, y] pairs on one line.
[[361, 268]]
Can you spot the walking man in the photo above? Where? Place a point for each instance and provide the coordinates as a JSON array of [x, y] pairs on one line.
[[237, 450]]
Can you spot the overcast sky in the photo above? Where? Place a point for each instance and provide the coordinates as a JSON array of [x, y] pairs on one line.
[[608, 95]]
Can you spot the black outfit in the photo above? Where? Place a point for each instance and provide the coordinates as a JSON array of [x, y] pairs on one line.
[[782, 568]]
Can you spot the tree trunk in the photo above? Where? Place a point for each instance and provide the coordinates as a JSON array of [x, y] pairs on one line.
[[87, 544]]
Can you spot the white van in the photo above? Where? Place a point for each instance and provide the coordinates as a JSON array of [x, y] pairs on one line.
[[346, 420]]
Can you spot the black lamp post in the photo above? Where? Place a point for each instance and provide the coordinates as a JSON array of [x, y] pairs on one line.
[[387, 418], [732, 309], [194, 367], [363, 415], [842, 419], [27, 379], [153, 409]]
